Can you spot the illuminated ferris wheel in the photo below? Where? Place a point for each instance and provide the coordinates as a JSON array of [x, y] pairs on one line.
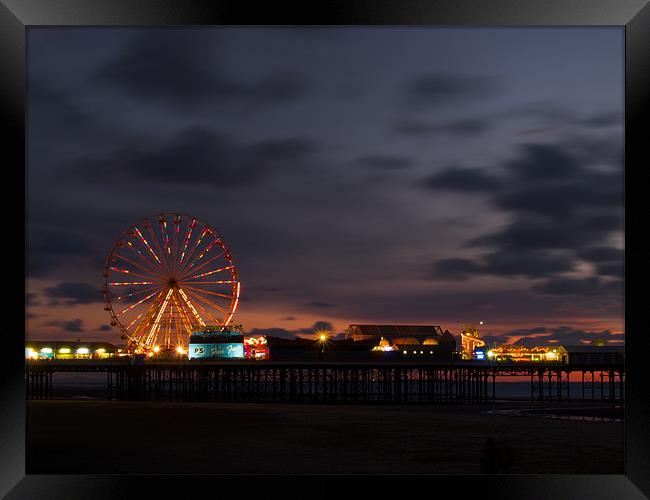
[[167, 276]]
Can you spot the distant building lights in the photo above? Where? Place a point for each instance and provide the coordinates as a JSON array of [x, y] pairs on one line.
[[490, 354], [156, 349], [100, 351], [415, 352], [180, 350], [83, 350], [405, 352], [64, 350], [46, 350]]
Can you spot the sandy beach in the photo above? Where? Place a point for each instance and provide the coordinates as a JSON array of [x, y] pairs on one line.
[[87, 437]]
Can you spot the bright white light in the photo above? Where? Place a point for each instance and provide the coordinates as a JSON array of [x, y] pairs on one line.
[[490, 354], [100, 351], [83, 350], [46, 350]]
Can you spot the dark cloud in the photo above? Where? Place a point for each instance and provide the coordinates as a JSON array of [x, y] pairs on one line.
[[561, 210], [609, 261], [592, 285], [566, 335], [446, 88], [562, 199], [549, 181], [73, 326], [198, 156], [386, 162], [492, 340], [288, 318], [527, 331], [540, 162], [462, 128], [615, 269], [548, 111], [290, 334], [601, 150], [535, 264], [455, 268], [604, 119], [526, 233], [321, 325], [535, 130], [462, 179], [103, 328], [320, 305], [71, 294], [30, 299], [183, 69], [602, 254], [273, 332], [570, 336], [49, 246], [558, 114]]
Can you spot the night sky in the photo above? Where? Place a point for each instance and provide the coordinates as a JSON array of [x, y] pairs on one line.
[[359, 175]]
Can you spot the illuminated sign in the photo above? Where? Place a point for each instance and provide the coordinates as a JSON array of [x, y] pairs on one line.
[[211, 351], [480, 353], [256, 347]]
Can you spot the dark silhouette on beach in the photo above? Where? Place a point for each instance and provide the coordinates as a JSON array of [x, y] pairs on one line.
[[496, 459]]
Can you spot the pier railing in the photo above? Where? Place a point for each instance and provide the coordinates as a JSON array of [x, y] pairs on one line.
[[331, 382]]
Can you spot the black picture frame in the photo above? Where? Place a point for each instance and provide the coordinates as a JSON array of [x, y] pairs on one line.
[[17, 15]]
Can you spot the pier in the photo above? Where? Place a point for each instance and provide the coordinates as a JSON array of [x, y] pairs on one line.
[[333, 382]]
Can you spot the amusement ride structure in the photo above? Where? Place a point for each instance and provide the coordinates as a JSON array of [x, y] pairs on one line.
[[470, 340], [167, 276]]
